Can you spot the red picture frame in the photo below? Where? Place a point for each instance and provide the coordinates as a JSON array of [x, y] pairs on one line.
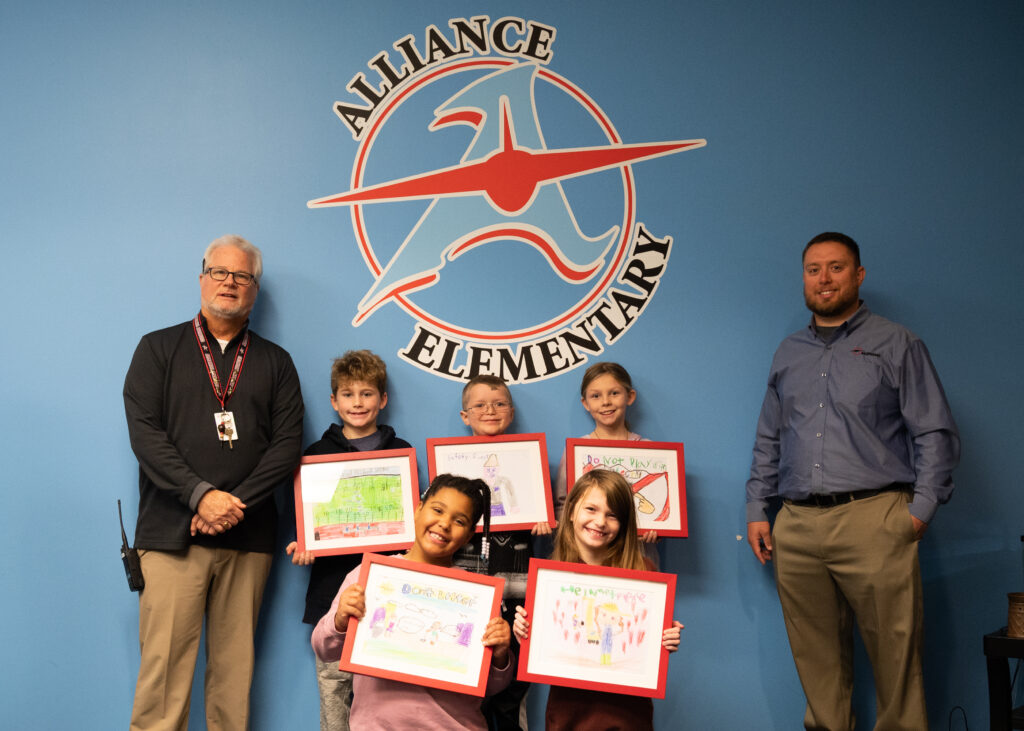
[[385, 525], [394, 641], [514, 465], [597, 628], [655, 470]]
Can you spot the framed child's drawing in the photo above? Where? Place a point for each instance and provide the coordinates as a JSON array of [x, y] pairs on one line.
[[655, 470], [597, 628], [515, 467], [423, 624], [356, 501]]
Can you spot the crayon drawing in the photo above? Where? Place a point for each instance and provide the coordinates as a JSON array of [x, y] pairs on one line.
[[599, 628], [654, 470], [365, 503], [349, 502], [594, 625], [422, 624], [513, 467]]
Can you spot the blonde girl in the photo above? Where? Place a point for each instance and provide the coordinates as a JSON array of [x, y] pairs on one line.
[[598, 527]]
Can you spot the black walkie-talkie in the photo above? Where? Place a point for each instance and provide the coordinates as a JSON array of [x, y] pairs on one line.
[[130, 557]]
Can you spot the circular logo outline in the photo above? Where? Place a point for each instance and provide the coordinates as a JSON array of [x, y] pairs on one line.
[[520, 334]]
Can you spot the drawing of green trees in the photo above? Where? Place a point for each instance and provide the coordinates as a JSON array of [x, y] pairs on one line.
[[362, 499]]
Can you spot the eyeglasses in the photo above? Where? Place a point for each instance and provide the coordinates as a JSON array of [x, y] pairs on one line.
[[499, 407], [219, 274]]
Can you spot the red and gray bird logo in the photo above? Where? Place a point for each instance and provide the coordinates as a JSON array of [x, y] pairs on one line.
[[508, 187]]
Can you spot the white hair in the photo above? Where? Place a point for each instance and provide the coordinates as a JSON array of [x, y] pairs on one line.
[[239, 243]]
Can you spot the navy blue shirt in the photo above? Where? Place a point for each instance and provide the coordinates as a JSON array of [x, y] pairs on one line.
[[861, 411]]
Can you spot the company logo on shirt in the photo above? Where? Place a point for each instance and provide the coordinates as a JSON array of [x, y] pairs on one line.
[[494, 202]]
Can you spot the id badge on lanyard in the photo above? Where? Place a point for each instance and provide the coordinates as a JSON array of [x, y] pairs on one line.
[[224, 420]]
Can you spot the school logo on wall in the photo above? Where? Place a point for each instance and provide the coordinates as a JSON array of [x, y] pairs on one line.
[[494, 202]]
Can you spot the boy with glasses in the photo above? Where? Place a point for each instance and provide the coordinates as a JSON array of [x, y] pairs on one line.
[[487, 410]]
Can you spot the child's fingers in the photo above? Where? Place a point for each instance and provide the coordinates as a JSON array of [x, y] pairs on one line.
[[674, 630], [498, 637], [671, 636], [541, 529], [520, 627], [352, 603], [650, 536], [497, 633], [299, 558]]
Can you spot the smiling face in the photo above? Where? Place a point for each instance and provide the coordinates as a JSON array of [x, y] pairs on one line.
[[832, 282], [358, 403], [443, 526], [488, 410], [606, 399], [227, 301], [594, 525]]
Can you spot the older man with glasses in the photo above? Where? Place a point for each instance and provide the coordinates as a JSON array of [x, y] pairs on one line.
[[215, 419]]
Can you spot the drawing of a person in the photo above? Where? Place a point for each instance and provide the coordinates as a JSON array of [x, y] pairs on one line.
[[604, 618], [433, 632], [503, 501]]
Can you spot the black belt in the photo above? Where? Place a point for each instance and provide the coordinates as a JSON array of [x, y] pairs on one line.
[[830, 500]]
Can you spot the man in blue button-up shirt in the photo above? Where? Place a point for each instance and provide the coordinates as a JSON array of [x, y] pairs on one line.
[[857, 439]]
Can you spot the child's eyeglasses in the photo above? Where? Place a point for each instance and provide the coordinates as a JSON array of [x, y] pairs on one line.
[[497, 406]]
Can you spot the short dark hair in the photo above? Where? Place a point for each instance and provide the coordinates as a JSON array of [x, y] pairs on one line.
[[836, 238]]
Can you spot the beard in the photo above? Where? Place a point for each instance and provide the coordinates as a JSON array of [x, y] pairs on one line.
[[230, 309], [232, 312], [833, 308]]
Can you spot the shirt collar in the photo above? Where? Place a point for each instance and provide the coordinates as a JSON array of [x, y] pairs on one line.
[[206, 327], [846, 326]]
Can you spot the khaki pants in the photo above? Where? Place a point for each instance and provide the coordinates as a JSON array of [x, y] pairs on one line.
[[853, 561], [181, 587]]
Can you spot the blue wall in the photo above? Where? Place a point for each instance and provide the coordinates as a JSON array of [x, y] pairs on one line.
[[133, 133]]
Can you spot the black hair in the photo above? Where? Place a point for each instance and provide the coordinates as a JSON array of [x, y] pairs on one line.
[[836, 238], [479, 495]]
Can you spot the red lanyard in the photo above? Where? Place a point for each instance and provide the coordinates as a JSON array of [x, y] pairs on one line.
[[211, 366]]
